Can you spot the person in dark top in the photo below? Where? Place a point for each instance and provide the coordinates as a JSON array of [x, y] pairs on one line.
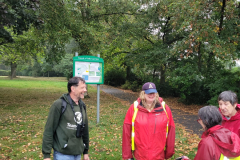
[[67, 133]]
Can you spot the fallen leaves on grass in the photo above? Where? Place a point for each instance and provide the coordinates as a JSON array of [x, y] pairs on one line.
[[26, 125], [186, 142]]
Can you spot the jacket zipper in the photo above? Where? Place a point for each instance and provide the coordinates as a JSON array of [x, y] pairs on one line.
[[155, 123]]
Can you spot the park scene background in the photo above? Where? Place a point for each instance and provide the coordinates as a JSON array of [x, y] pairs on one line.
[[24, 107], [189, 49]]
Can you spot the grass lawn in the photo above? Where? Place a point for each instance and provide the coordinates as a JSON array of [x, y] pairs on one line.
[[24, 106]]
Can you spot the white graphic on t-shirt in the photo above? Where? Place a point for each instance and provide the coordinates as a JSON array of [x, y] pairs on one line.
[[71, 126], [78, 115]]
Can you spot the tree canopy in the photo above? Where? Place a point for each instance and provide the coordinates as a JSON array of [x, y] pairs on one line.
[[18, 15], [182, 46]]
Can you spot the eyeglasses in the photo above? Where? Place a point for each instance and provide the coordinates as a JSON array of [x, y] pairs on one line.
[[198, 120]]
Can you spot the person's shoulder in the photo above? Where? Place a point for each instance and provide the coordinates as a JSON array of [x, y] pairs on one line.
[[132, 106], [130, 109], [206, 141], [60, 100], [57, 103]]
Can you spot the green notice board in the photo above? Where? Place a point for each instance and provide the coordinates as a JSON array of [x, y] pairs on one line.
[[90, 68]]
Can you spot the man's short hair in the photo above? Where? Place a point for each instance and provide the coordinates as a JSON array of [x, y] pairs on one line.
[[74, 82], [210, 116], [228, 96]]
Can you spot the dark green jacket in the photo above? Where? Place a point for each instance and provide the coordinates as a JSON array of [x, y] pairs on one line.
[[60, 130]]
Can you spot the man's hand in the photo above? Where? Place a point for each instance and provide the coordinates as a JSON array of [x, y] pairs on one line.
[[47, 158], [86, 157]]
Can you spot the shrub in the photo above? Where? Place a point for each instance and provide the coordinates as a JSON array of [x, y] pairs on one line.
[[165, 90], [135, 87], [126, 85], [226, 80], [189, 85], [114, 76], [5, 72], [68, 73]]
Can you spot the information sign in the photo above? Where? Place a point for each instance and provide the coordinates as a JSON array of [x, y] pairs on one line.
[[90, 68]]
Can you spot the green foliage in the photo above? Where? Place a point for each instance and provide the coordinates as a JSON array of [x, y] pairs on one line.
[[166, 90], [23, 50], [65, 66], [114, 75], [226, 80], [126, 85], [19, 15], [143, 38], [4, 72], [189, 84], [134, 86]]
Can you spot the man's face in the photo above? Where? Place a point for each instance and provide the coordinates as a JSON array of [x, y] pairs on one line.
[[79, 90]]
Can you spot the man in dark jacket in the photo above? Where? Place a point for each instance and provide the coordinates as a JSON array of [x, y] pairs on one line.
[[67, 132]]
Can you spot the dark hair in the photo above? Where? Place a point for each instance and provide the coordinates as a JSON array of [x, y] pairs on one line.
[[228, 96], [210, 116], [74, 82]]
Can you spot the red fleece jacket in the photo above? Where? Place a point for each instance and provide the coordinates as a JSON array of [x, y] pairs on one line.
[[150, 133]]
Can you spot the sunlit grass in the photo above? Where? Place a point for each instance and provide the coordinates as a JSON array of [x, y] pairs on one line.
[[24, 106]]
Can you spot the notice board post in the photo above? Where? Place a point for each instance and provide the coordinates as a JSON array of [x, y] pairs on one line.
[[91, 69]]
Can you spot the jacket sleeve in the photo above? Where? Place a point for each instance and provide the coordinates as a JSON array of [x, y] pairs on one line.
[[126, 135], [206, 150], [50, 128], [171, 135], [86, 135]]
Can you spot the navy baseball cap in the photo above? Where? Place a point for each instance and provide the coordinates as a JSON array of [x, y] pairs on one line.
[[149, 87]]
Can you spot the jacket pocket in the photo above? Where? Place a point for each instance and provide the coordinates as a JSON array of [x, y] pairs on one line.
[[73, 146], [160, 123]]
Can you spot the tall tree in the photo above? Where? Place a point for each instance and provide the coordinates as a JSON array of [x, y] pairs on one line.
[[25, 47], [19, 15]]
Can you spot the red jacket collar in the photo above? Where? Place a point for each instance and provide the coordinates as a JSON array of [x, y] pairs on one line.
[[211, 130]]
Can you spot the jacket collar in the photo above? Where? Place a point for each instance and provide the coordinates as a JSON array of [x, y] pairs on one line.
[[157, 106], [211, 131]]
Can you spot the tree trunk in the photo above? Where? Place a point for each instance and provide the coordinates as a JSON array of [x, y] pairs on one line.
[[128, 70], [199, 58], [163, 77], [13, 70], [154, 73]]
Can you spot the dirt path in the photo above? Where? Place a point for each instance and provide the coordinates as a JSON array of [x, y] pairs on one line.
[[185, 115]]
